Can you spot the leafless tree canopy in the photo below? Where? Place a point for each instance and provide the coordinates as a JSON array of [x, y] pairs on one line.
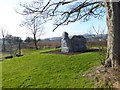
[[3, 32], [3, 35], [65, 11], [33, 22]]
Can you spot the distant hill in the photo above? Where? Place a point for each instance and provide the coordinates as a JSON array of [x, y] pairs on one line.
[[89, 37], [56, 39], [94, 37]]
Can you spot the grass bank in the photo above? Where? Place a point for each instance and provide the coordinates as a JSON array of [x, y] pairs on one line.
[[0, 74], [41, 70]]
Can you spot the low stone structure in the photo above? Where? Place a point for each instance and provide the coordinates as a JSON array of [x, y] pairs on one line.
[[73, 44]]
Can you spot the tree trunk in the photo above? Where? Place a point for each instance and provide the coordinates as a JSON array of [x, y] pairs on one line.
[[3, 44], [113, 22], [35, 42], [19, 46]]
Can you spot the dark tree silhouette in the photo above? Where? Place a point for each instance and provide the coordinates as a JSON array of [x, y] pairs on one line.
[[28, 39]]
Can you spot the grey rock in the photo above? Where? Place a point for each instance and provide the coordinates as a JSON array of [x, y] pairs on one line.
[[73, 44], [78, 43], [66, 43]]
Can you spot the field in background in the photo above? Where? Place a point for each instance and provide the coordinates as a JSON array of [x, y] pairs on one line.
[[57, 44], [96, 44], [41, 70], [29, 47], [43, 45]]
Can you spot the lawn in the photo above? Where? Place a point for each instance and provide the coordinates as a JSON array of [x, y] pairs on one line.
[[0, 74], [42, 70]]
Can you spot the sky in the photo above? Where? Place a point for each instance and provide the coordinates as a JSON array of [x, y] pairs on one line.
[[11, 20]]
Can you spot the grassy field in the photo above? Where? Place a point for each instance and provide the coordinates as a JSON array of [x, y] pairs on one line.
[[41, 70], [0, 74]]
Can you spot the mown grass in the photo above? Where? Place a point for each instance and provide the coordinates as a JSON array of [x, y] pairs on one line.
[[0, 74], [40, 70]]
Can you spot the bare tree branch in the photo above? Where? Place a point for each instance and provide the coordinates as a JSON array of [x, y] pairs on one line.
[[35, 25], [65, 11]]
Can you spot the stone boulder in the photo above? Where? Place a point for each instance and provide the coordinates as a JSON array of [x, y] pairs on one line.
[[66, 43], [73, 44], [78, 43]]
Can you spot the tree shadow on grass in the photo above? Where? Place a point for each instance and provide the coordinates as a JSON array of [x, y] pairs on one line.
[[71, 53]]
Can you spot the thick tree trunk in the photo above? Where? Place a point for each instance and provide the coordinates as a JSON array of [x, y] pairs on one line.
[[113, 22]]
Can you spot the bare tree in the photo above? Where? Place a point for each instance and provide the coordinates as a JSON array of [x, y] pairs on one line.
[[13, 44], [9, 44], [64, 12], [17, 42], [69, 11], [3, 34], [33, 23]]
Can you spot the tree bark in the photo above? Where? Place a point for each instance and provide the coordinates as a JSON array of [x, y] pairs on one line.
[[3, 44], [35, 42], [113, 22], [19, 46]]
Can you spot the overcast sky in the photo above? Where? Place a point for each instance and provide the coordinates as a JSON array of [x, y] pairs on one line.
[[10, 20]]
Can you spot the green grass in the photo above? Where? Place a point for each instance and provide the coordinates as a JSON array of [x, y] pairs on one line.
[[40, 70], [0, 74]]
